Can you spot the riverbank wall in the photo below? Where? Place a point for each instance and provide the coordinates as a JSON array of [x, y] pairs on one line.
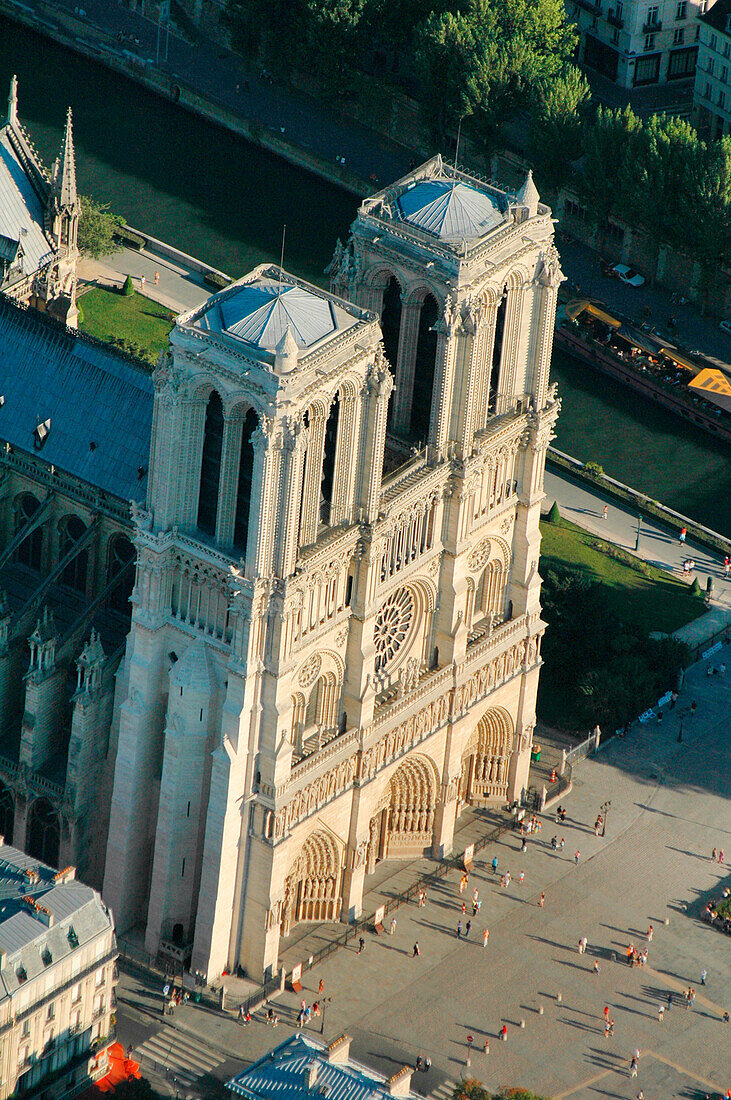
[[612, 489], [175, 90]]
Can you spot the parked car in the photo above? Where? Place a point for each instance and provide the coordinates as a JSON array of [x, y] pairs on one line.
[[628, 276], [725, 326]]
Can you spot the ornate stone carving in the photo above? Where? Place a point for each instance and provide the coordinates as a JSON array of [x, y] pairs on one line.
[[315, 795], [479, 555], [392, 626], [310, 669]]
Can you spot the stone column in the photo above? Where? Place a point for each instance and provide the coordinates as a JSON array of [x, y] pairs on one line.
[[229, 480], [341, 507], [267, 444], [294, 458], [313, 477], [441, 406], [406, 365], [445, 817], [375, 397]]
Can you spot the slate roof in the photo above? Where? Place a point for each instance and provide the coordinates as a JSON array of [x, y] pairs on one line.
[[260, 311], [282, 1075], [90, 393], [78, 917], [449, 210], [21, 210]]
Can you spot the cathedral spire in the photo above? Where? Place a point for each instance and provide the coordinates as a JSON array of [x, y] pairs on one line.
[[65, 175], [12, 119]]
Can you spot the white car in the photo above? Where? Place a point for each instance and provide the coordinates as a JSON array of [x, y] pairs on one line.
[[628, 276], [725, 326]]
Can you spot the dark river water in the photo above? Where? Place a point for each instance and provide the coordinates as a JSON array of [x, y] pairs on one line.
[[215, 196]]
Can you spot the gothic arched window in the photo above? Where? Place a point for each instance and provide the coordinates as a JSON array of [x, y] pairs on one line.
[[30, 550], [74, 575], [44, 832], [497, 352], [391, 325], [243, 491], [426, 354], [328, 459], [210, 465], [121, 552]]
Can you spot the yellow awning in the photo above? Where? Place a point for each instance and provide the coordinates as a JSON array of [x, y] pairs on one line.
[[712, 381], [602, 316], [680, 360]]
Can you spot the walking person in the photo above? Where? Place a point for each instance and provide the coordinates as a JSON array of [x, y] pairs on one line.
[[683, 534], [650, 934], [606, 1014], [422, 898], [596, 966], [467, 928], [416, 950], [714, 855], [541, 900], [494, 865], [392, 929], [504, 1033], [521, 878], [361, 945], [577, 855], [485, 936], [459, 929], [704, 975], [605, 512], [660, 1013], [633, 1067]]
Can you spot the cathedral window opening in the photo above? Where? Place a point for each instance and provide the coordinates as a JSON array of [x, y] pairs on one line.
[[243, 491], [486, 759], [490, 592], [74, 575], [210, 466], [407, 544], [30, 551], [424, 367], [312, 888], [392, 626], [391, 326], [121, 554], [44, 833], [497, 353], [328, 460], [7, 814]]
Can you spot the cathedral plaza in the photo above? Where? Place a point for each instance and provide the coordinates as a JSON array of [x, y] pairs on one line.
[[669, 809]]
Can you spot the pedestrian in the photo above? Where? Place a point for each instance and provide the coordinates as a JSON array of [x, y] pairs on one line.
[[714, 854], [611, 1029], [524, 846], [459, 929], [494, 865], [683, 533], [670, 1000], [418, 1063], [361, 945], [416, 950], [507, 874], [561, 844], [521, 877], [727, 567], [485, 936], [157, 278], [605, 512], [427, 1064], [541, 900], [650, 934], [166, 989], [577, 854], [392, 929], [462, 884], [633, 1067], [660, 1013], [422, 898], [607, 1029], [142, 282], [467, 928], [464, 910], [606, 1014], [630, 953], [640, 1095], [486, 1045], [704, 975], [721, 855], [504, 1033], [475, 895], [596, 966]]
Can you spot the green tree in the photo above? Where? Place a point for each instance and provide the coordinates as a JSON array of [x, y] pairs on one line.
[[332, 27], [611, 176], [470, 1089], [97, 224], [128, 287], [486, 59], [556, 121]]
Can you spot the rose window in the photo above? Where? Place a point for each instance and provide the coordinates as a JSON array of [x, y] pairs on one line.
[[392, 626]]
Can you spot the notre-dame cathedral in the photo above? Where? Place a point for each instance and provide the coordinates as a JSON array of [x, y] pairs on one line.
[[321, 509]]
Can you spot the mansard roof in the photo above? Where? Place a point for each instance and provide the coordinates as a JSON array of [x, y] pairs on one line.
[[259, 309], [98, 402]]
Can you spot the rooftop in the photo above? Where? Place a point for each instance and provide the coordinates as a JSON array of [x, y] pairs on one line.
[[261, 308], [718, 16], [300, 1069], [21, 212], [92, 405], [449, 210], [44, 917]]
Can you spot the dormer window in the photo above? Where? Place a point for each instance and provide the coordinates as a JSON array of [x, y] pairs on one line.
[[72, 937], [46, 956], [21, 974]]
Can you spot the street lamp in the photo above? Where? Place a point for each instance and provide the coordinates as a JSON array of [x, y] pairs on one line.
[[639, 531], [324, 1003], [470, 1041], [605, 808]]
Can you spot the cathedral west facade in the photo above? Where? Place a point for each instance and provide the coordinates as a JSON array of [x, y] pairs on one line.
[[335, 633]]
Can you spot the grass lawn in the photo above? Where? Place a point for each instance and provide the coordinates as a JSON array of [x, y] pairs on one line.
[[638, 593], [134, 323]]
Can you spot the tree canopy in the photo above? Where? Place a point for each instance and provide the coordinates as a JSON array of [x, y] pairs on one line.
[[97, 224]]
